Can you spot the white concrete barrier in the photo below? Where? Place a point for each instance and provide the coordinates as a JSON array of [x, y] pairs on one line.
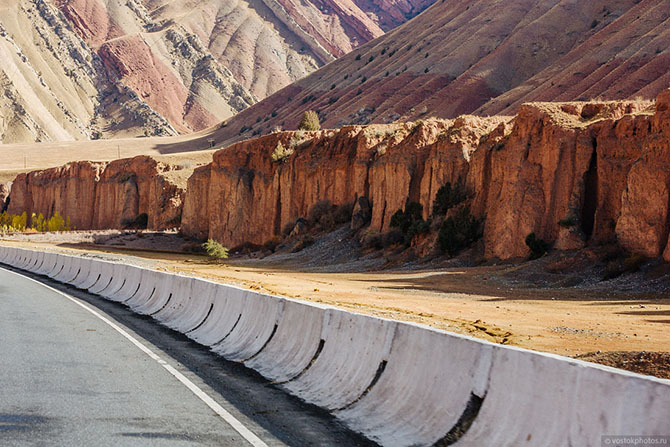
[[426, 385], [61, 263], [131, 284], [24, 257], [398, 384], [367, 340], [181, 296], [66, 271], [226, 313], [256, 325], [29, 259], [4, 253], [49, 263], [105, 278], [197, 308], [160, 298], [294, 345], [73, 271], [149, 281], [118, 280], [38, 262], [87, 281], [84, 270]]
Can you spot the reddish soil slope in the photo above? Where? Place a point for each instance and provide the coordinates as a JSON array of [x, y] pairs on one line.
[[484, 57]]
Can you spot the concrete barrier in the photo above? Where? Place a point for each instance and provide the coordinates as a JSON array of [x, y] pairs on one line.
[[178, 303], [118, 280], [228, 304], [149, 280], [73, 271], [61, 263], [87, 281], [38, 262], [24, 257], [30, 259], [427, 384], [196, 309], [160, 298], [130, 286], [257, 323], [294, 345], [367, 340], [65, 265], [398, 384], [48, 264], [105, 278], [84, 270]]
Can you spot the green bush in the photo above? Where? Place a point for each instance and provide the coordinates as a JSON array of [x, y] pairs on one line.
[[309, 121], [458, 232], [538, 247], [410, 221], [215, 250], [281, 153], [317, 211], [447, 197]]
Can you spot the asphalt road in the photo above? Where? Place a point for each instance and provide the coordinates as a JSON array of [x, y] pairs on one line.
[[78, 370]]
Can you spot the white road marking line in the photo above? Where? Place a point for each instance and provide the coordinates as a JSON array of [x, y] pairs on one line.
[[211, 403]]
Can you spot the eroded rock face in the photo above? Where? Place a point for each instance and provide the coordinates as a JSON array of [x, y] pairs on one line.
[[251, 198], [572, 173], [195, 220], [101, 195], [4, 194]]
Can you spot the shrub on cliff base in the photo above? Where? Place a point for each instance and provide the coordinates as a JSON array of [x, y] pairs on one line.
[[215, 250], [318, 211], [448, 197], [57, 223], [309, 121], [538, 247], [458, 232], [410, 221]]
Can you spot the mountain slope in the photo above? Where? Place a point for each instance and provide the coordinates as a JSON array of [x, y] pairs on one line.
[[80, 69], [483, 56]]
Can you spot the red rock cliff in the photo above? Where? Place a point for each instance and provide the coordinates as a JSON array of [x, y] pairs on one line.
[[101, 195], [603, 169]]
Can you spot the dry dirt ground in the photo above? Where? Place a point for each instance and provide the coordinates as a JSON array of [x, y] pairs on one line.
[[622, 322]]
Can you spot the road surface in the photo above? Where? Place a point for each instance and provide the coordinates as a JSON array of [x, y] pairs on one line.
[[78, 370]]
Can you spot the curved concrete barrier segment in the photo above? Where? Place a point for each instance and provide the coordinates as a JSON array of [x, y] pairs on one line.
[[228, 304], [94, 275], [149, 280], [131, 284], [255, 326], [397, 383], [198, 307], [294, 345]]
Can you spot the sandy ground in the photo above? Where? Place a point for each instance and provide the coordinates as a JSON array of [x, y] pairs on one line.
[[477, 301], [190, 149]]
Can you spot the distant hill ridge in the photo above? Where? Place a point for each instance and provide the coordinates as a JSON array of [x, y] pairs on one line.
[[482, 57], [88, 69]]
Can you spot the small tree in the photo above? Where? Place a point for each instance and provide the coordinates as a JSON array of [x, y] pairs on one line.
[[215, 250], [281, 153], [19, 223], [310, 121], [447, 197], [458, 232], [538, 247]]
